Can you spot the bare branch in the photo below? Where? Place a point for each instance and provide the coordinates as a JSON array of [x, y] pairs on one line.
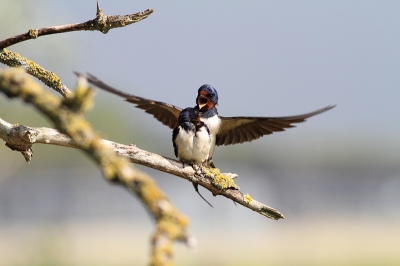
[[67, 115], [102, 23], [211, 179]]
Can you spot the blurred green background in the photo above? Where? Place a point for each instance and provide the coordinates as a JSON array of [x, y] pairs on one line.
[[336, 178]]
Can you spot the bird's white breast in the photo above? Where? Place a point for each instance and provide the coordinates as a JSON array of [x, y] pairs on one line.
[[193, 147], [213, 124], [201, 145], [184, 142]]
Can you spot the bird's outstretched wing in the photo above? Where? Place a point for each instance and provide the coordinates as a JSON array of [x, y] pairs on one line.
[[242, 129], [167, 114]]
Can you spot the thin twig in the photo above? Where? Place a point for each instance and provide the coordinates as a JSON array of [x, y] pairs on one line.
[[102, 23]]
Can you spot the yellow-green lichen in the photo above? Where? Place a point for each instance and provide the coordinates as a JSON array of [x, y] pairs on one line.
[[81, 100], [183, 221], [34, 33], [169, 229], [16, 84], [247, 199], [173, 229], [171, 224], [162, 255], [47, 77], [150, 194], [111, 167], [210, 172], [220, 181]]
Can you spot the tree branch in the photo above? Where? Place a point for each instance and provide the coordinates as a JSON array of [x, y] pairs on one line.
[[67, 115], [74, 131], [47, 77], [219, 184], [102, 23]]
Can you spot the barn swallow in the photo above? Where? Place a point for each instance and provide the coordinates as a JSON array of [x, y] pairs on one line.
[[191, 138], [223, 130]]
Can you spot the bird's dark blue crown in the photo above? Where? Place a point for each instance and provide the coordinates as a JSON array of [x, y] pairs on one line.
[[210, 91]]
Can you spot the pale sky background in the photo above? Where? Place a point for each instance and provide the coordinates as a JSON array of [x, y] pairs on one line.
[[265, 59], [277, 58], [338, 172]]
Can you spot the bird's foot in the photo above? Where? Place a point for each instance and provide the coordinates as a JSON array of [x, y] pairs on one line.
[[210, 163], [198, 169]]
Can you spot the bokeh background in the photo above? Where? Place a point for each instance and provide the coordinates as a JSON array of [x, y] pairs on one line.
[[336, 177]]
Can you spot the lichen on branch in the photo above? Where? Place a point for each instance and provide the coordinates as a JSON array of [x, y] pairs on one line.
[[68, 118], [47, 77]]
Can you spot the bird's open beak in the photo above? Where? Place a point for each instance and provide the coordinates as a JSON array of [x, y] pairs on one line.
[[201, 101]]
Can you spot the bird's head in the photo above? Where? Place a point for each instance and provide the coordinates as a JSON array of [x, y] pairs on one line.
[[207, 97], [189, 115]]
